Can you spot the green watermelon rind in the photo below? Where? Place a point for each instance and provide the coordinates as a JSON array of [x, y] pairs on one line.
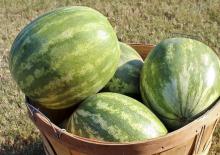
[[177, 80], [126, 78], [114, 117], [63, 56]]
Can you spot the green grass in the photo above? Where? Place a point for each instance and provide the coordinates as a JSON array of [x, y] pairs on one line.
[[146, 21]]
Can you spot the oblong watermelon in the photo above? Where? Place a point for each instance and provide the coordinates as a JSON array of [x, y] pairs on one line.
[[114, 117], [180, 80], [64, 56], [127, 76]]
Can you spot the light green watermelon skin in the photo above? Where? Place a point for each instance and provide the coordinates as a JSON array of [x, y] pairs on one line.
[[62, 57], [114, 117], [127, 77], [179, 80]]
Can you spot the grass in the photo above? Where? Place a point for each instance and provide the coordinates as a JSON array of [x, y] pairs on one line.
[[146, 21]]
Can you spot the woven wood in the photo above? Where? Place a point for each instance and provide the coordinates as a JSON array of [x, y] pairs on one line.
[[192, 139]]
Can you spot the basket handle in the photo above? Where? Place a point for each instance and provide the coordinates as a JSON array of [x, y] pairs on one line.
[[33, 111], [186, 35]]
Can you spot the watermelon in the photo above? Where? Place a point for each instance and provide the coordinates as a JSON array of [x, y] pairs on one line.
[[64, 56], [114, 117], [180, 80], [126, 79]]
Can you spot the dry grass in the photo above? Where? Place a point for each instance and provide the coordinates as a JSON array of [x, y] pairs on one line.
[[134, 21]]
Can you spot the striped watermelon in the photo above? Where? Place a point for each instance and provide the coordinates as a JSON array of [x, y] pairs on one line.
[[115, 118], [179, 80], [64, 56], [126, 78]]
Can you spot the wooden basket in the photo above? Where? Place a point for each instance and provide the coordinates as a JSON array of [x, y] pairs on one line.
[[192, 139]]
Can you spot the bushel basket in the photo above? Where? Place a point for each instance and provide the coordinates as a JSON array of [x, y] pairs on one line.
[[192, 139]]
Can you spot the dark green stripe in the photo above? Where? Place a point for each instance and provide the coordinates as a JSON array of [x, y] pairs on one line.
[[96, 127]]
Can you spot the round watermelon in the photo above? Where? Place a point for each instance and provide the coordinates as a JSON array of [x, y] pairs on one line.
[[115, 118], [64, 56], [180, 80], [126, 79]]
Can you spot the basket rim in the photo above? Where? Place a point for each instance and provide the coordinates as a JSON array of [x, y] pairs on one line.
[[194, 126]]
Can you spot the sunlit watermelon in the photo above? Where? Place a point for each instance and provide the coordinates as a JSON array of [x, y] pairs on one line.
[[179, 80]]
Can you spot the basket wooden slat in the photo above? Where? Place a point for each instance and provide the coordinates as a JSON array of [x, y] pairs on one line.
[[47, 146], [192, 139]]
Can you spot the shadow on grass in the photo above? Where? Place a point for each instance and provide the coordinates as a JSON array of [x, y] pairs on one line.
[[33, 148]]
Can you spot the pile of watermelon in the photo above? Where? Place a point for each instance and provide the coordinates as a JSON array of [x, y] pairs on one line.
[[71, 58]]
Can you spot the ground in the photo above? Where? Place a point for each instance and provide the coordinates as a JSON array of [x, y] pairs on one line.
[[147, 21]]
